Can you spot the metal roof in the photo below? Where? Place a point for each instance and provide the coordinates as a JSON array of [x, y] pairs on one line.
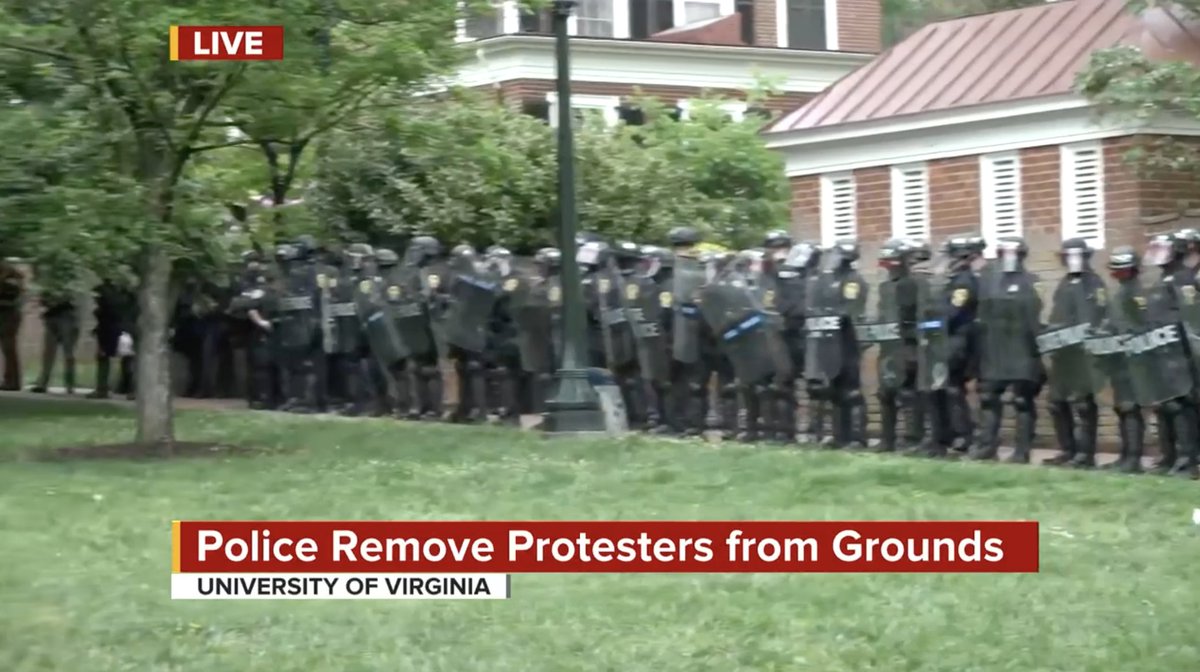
[[990, 58]]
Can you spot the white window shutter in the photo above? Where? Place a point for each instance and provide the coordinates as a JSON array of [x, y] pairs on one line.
[[1000, 197], [839, 219], [1083, 192], [910, 201]]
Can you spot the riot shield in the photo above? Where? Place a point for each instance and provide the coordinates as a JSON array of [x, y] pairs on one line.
[[1073, 373], [1107, 351], [1158, 364], [298, 315], [741, 329], [379, 322], [472, 296], [1007, 313], [344, 312], [1189, 317], [326, 281], [407, 309], [533, 314], [890, 360], [639, 301], [620, 349], [687, 280], [933, 335], [823, 356]]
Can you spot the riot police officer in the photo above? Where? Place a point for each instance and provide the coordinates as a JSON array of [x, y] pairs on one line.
[[836, 299], [547, 289], [949, 345], [654, 278], [1079, 306], [258, 305], [60, 320], [1121, 322], [414, 290], [1009, 313], [897, 340], [503, 354], [1165, 304], [469, 301], [298, 326], [802, 262], [689, 375]]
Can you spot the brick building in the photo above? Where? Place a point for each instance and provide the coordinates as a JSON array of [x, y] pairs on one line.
[[973, 125], [671, 49]]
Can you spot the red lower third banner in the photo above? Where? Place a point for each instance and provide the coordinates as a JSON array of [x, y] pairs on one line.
[[497, 548]]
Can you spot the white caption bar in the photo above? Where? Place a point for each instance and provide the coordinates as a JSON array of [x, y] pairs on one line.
[[340, 586]]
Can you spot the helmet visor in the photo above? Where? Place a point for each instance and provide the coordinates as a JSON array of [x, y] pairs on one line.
[[1009, 254], [1073, 260], [588, 254], [1158, 253], [798, 256]]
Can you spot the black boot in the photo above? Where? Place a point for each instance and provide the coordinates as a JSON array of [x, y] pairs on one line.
[[989, 420], [103, 366], [785, 413], [1085, 456], [727, 411], [856, 420], [1188, 463], [914, 419], [818, 410], [887, 423], [1166, 440], [1134, 435], [752, 400], [69, 373], [1064, 433], [1024, 431]]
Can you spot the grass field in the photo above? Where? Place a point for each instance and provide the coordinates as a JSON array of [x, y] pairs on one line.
[[86, 556]]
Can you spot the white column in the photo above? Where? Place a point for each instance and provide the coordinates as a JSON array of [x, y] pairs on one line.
[[510, 16], [781, 23], [831, 25], [621, 19]]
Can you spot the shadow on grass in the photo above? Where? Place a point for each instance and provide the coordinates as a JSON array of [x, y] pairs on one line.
[[144, 451], [37, 409]]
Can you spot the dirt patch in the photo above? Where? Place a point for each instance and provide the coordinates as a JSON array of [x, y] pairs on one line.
[[144, 451]]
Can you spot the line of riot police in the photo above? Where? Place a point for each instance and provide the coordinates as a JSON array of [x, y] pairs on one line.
[[690, 334]]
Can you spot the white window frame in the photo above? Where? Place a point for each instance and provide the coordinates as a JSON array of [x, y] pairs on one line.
[[511, 24], [679, 9], [990, 199], [1069, 195], [608, 104], [901, 217], [831, 24], [736, 109], [830, 220], [510, 14], [620, 20]]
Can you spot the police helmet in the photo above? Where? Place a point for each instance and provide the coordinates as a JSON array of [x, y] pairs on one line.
[[1123, 258], [683, 236], [777, 238], [386, 258], [550, 257]]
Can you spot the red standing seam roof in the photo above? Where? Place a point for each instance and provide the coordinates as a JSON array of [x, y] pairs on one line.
[[991, 58]]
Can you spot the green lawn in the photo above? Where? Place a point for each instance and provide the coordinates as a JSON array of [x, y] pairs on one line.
[[86, 556]]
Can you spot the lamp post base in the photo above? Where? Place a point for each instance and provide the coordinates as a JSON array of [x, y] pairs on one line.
[[575, 407]]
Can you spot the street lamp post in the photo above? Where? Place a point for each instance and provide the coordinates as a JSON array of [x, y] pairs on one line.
[[575, 407]]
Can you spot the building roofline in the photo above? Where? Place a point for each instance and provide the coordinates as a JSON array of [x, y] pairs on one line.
[[507, 58], [943, 134], [501, 43]]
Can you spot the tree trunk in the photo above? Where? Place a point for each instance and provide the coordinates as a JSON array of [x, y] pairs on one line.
[[155, 421]]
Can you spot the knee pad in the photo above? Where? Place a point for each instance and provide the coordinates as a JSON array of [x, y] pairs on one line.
[[887, 397], [431, 372], [474, 365], [1125, 408], [1022, 403], [853, 397], [695, 389], [728, 391], [1085, 405], [1057, 408], [1171, 408]]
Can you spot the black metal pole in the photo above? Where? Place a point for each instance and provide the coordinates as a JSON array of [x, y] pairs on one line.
[[575, 406]]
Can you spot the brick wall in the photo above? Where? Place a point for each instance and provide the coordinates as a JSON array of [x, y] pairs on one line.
[[515, 90], [764, 23], [860, 25], [955, 210]]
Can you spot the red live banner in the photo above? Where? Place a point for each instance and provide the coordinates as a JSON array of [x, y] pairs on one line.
[[527, 547], [226, 43]]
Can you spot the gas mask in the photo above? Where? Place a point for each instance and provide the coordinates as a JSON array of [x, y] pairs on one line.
[[588, 255], [649, 266]]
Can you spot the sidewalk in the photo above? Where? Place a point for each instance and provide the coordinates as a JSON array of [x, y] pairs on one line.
[[528, 422]]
